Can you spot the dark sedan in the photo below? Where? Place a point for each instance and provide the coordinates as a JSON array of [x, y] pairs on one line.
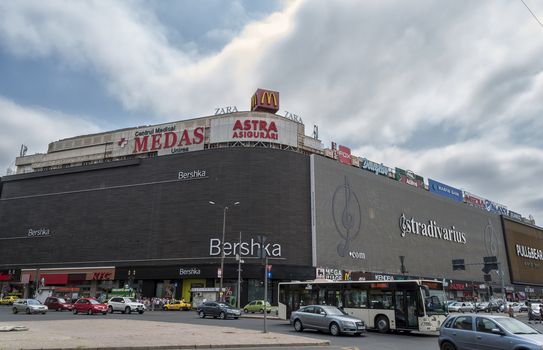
[[217, 309], [326, 318], [58, 304]]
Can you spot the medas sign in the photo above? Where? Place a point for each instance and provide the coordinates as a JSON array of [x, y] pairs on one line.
[[431, 230]]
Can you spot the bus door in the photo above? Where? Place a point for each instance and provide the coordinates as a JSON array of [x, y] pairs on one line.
[[406, 308]]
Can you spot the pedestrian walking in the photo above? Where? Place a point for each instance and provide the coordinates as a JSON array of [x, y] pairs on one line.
[[510, 311], [540, 313]]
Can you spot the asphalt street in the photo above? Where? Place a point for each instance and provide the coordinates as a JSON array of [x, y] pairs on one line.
[[369, 341]]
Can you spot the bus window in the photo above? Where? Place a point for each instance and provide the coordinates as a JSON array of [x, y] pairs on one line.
[[380, 299], [356, 298]]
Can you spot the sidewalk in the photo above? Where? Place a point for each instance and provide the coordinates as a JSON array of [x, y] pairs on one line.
[[134, 334]]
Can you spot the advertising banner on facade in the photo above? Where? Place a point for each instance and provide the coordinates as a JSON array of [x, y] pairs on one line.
[[254, 127], [163, 139], [344, 155], [378, 169], [525, 248], [409, 177], [496, 208], [473, 200], [445, 190]]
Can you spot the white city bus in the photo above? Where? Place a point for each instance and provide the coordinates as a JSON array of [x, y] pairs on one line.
[[406, 305]]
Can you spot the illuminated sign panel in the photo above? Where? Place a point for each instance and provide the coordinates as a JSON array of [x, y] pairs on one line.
[[265, 101]]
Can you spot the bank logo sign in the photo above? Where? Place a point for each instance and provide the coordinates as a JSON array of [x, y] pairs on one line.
[[430, 230], [445, 190]]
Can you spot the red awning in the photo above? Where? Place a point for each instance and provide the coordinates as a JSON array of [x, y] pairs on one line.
[[4, 277], [55, 279]]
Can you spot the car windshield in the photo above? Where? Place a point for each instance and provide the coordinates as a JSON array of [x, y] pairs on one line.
[[131, 300], [61, 300], [516, 327], [435, 303], [94, 302], [224, 305], [33, 302], [331, 310]]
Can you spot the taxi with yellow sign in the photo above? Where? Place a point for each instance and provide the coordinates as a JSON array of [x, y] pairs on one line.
[[177, 305], [8, 300]]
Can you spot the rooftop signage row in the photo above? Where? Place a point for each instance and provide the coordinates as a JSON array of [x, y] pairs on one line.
[[343, 155]]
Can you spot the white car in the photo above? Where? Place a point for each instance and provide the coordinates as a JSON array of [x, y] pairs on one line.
[[461, 306], [517, 307], [125, 305]]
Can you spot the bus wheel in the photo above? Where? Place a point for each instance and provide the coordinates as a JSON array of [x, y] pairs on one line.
[[298, 326], [382, 324]]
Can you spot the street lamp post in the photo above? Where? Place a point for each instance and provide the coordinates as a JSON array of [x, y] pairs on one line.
[[225, 208]]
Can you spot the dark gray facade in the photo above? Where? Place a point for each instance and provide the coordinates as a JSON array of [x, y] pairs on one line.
[[365, 222], [140, 213]]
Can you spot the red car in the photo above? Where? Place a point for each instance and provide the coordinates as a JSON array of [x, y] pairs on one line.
[[89, 306], [58, 304]]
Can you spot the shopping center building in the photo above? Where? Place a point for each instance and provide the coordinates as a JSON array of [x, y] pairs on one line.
[[133, 208]]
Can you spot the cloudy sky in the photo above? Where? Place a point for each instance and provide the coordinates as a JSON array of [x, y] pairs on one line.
[[449, 89]]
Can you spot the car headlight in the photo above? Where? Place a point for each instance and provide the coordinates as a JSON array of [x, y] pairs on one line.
[[349, 323]]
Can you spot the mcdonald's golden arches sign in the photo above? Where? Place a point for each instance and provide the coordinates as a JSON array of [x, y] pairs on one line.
[[265, 101]]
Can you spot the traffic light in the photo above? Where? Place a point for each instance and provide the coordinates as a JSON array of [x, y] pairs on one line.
[[491, 263], [458, 264]]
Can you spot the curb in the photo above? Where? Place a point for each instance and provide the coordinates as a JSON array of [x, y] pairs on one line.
[[210, 346]]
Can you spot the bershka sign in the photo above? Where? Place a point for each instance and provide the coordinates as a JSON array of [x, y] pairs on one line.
[[431, 230], [193, 271], [192, 175], [40, 232], [244, 249], [344, 155], [254, 127], [529, 252]]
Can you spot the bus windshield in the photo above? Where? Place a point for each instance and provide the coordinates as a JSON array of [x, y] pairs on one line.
[[435, 302]]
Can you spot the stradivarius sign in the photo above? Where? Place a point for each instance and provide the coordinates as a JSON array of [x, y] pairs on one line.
[[430, 230]]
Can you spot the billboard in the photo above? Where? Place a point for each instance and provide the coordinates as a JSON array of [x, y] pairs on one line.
[[473, 200], [344, 155], [525, 251], [378, 169], [496, 208], [409, 177], [445, 190], [257, 127], [364, 222], [164, 139]]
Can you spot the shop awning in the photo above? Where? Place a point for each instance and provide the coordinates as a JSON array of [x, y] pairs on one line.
[[55, 279]]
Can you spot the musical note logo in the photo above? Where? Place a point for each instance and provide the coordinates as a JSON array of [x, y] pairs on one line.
[[491, 241], [346, 214]]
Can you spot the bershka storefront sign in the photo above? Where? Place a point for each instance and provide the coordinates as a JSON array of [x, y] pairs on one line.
[[192, 271], [529, 252], [430, 230], [244, 127], [196, 174], [250, 248]]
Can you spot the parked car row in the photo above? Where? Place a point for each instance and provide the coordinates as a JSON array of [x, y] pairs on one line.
[[88, 306]]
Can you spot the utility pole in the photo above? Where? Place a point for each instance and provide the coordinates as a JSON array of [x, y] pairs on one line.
[[265, 293], [240, 261]]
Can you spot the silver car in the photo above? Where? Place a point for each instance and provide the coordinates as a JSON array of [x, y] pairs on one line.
[[486, 332], [29, 306], [326, 318]]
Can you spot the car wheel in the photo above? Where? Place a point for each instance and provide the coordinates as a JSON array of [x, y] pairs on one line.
[[487, 310], [110, 309], [140, 312], [43, 313], [28, 311], [334, 329], [245, 310], [127, 310], [75, 311], [15, 310], [222, 315], [104, 313], [447, 346], [89, 312], [59, 309], [261, 311], [382, 324], [235, 318], [201, 314], [298, 327]]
